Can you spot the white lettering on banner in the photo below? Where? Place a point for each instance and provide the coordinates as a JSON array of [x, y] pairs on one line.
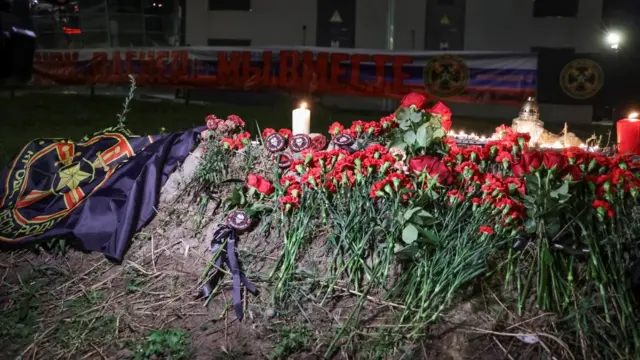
[[335, 44], [336, 18], [444, 45]]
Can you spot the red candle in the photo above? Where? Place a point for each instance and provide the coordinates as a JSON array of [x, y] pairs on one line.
[[629, 135]]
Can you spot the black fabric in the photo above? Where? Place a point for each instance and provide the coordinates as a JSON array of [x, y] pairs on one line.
[[550, 68]]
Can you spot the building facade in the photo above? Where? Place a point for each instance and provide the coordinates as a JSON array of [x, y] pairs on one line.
[[484, 25], [469, 25]]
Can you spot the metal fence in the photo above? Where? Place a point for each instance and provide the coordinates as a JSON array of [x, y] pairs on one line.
[[102, 27]]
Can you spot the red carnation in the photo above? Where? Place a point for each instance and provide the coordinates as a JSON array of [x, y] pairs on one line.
[[267, 132], [228, 143], [445, 114], [236, 120], [286, 133], [212, 121], [602, 207], [359, 127], [289, 202], [336, 128], [388, 121], [486, 230], [504, 156], [374, 128], [503, 130], [259, 183], [455, 195], [414, 99]]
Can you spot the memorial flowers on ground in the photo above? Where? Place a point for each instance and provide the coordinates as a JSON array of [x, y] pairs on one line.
[[553, 224]]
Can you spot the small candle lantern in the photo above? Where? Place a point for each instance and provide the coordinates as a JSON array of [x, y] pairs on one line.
[[301, 120], [528, 121], [629, 134]]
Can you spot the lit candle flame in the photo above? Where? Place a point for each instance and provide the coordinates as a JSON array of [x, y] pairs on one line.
[[473, 135], [633, 116], [462, 133], [303, 105]]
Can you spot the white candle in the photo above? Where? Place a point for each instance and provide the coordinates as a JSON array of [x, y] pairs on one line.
[[301, 120]]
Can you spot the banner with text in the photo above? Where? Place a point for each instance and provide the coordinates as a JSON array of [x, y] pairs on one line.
[[499, 78]]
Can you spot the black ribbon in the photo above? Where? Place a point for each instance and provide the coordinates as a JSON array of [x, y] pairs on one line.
[[229, 258], [569, 249]]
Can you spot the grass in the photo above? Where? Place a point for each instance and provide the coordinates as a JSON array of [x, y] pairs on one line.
[[49, 312], [73, 116]]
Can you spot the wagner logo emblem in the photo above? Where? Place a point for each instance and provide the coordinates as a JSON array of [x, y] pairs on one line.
[[581, 79], [52, 177], [445, 75]]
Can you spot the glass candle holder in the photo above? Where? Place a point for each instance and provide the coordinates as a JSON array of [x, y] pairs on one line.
[[534, 128]]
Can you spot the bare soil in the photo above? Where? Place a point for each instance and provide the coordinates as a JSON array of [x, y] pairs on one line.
[[156, 287]]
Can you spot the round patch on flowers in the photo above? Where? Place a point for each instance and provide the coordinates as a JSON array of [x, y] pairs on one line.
[[239, 220], [283, 160], [299, 142], [318, 142], [276, 142], [344, 140]]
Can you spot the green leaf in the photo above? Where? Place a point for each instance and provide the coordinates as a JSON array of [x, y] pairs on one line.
[[429, 237], [532, 183], [564, 198], [409, 234], [261, 207], [531, 212], [562, 190], [403, 114], [547, 258], [409, 213], [438, 134], [425, 214], [409, 137], [422, 136], [407, 252], [399, 144], [405, 125], [530, 226], [416, 116]]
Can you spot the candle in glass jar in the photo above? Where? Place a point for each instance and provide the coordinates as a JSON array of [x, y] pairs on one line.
[[629, 134], [534, 128], [301, 120]]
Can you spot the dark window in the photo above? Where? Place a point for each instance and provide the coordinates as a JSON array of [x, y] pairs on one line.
[[446, 2], [228, 42], [234, 5], [555, 8]]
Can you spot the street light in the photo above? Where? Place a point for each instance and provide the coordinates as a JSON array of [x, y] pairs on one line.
[[614, 39]]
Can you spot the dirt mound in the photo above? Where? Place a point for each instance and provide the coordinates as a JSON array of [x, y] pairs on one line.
[[81, 306]]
